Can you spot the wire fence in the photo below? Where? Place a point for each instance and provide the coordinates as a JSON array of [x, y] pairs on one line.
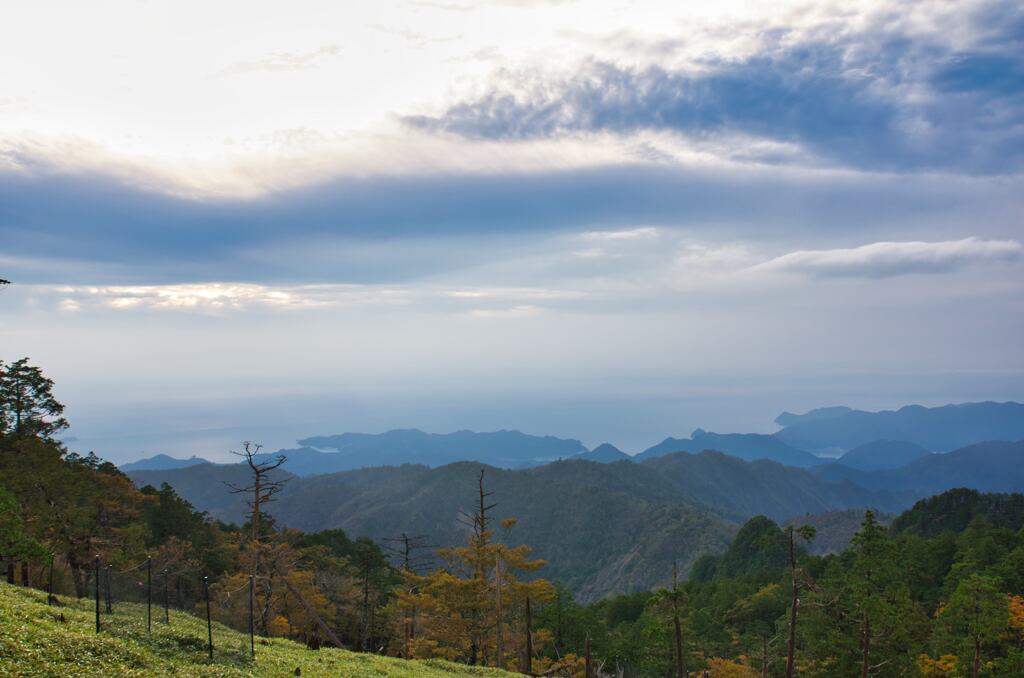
[[143, 597], [155, 595]]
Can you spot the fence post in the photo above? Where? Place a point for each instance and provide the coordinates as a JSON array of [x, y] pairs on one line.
[[252, 596], [149, 594], [209, 627], [97, 578]]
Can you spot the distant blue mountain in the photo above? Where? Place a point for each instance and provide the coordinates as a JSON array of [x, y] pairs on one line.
[[820, 414], [746, 446], [938, 429], [988, 467], [307, 461], [605, 453], [161, 462], [882, 454], [347, 451]]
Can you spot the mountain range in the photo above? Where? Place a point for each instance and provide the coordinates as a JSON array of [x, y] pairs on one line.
[[608, 522], [937, 429], [990, 467], [605, 528], [503, 449], [749, 446], [860, 440]]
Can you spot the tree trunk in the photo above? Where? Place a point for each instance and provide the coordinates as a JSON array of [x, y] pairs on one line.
[[26, 580], [865, 647], [679, 644], [528, 656], [10, 572], [795, 604], [764, 656], [500, 631], [976, 666], [311, 611], [365, 633], [77, 577]]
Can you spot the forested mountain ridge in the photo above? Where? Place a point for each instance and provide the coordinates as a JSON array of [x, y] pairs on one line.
[[953, 511], [672, 507], [741, 489], [882, 454], [604, 528], [988, 467], [600, 532]]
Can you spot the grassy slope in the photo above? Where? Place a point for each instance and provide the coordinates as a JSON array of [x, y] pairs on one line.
[[34, 642]]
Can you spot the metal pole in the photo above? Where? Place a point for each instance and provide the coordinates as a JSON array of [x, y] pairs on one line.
[[149, 594], [252, 596], [209, 627], [97, 577]]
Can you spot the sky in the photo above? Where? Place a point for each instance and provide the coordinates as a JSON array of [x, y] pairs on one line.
[[610, 221]]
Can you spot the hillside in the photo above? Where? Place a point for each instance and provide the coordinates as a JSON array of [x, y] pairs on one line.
[[882, 454], [203, 485], [601, 528], [987, 467], [604, 528], [746, 446], [954, 510], [739, 489], [835, 529], [39, 640], [938, 429]]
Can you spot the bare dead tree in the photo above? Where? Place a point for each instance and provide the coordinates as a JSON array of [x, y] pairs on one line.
[[262, 488], [480, 541], [807, 533], [478, 522]]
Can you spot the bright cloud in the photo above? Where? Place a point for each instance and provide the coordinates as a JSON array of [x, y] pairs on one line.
[[888, 259]]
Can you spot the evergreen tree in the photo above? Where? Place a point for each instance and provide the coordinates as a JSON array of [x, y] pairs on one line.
[[27, 404], [977, 614]]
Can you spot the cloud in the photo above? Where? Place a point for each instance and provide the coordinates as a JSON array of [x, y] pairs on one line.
[[888, 259], [883, 96], [283, 61], [91, 228], [217, 298]]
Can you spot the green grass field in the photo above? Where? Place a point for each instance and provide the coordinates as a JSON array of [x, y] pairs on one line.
[[35, 641]]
